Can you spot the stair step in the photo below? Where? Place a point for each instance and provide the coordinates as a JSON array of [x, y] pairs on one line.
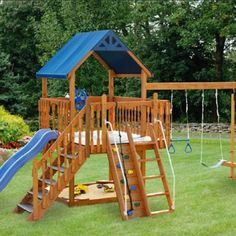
[[26, 206], [61, 169], [156, 194], [153, 177], [49, 182], [69, 156], [161, 212], [40, 194], [149, 159]]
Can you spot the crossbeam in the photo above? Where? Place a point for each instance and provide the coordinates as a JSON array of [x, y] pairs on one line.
[[191, 85]]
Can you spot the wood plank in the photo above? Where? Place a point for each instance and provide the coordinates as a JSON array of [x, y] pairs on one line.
[[138, 172], [44, 87], [144, 68], [191, 85], [111, 83], [102, 62], [79, 64], [143, 85]]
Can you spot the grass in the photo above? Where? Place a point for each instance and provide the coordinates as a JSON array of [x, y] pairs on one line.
[[205, 202]]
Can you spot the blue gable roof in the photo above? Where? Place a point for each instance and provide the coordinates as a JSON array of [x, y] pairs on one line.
[[105, 43]]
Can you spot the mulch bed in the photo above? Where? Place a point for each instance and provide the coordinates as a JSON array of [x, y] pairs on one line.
[[11, 145]]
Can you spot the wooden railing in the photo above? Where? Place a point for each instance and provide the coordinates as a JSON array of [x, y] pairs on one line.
[[63, 154], [136, 112], [54, 113]]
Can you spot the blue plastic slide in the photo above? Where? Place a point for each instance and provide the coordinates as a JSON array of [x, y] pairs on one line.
[[25, 154]]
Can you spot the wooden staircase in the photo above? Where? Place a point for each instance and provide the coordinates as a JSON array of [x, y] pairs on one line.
[[137, 196], [54, 171]]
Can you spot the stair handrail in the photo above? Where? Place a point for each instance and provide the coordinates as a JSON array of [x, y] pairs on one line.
[[62, 135], [121, 167], [170, 162]]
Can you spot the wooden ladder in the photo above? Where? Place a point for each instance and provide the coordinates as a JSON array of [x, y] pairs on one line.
[[49, 185], [161, 176], [136, 182]]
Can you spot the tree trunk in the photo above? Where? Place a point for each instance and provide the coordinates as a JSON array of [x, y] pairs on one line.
[[219, 56]]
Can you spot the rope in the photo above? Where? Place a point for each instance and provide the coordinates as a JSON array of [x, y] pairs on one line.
[[202, 126], [121, 167], [122, 155], [186, 110], [221, 162], [171, 117], [218, 123], [170, 162]]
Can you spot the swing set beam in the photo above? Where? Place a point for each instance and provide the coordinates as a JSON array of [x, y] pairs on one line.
[[206, 86], [191, 86]]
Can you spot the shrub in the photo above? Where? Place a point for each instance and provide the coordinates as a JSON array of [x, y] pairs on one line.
[[12, 127]]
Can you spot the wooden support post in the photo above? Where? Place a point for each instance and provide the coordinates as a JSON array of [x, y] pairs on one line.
[[142, 154], [44, 87], [72, 95], [232, 133], [111, 84], [35, 190], [104, 117], [155, 112], [88, 127], [143, 85], [72, 191]]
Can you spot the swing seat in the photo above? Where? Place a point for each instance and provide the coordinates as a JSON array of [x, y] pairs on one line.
[[217, 165]]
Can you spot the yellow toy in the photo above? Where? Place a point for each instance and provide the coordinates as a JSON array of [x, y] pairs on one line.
[[81, 189]]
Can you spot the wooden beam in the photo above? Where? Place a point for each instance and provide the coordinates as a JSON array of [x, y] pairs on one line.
[[72, 95], [106, 66], [80, 63], [111, 83], [44, 87], [126, 75], [191, 85], [143, 85], [149, 74]]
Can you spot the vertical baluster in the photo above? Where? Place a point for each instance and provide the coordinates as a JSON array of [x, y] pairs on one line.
[[51, 174], [66, 161], [35, 189], [162, 120], [167, 122], [92, 128], [53, 116], [98, 129], [59, 165], [72, 134], [44, 168]]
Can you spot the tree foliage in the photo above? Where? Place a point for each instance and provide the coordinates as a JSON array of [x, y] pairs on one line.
[[183, 40]]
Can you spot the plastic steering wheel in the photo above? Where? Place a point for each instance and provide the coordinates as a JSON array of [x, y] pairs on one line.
[[80, 99]]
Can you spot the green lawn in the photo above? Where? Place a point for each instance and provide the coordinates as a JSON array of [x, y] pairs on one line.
[[205, 202]]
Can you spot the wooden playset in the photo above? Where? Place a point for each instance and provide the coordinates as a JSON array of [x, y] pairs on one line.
[[123, 127]]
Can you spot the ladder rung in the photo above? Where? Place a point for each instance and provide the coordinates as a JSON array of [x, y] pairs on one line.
[[61, 169], [161, 212], [149, 159], [48, 181], [69, 156], [26, 206], [153, 177], [40, 194], [157, 194]]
